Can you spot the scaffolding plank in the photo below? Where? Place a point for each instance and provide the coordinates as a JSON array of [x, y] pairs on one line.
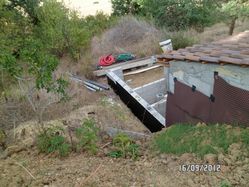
[[126, 65]]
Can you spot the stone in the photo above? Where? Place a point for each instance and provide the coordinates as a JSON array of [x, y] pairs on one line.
[[211, 158], [200, 124], [221, 158], [187, 157], [225, 169], [14, 149], [29, 142], [190, 182], [3, 138], [246, 161], [165, 162], [234, 148], [163, 156], [229, 126], [234, 151], [228, 162]]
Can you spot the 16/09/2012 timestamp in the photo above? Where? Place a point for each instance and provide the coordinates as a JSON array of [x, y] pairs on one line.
[[200, 168]]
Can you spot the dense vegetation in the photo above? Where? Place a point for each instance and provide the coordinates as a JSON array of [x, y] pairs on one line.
[[35, 34], [84, 138], [184, 14]]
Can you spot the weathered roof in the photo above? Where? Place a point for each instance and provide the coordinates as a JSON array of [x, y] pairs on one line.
[[233, 50]]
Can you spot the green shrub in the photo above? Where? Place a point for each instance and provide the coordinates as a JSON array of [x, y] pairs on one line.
[[181, 40], [125, 147], [123, 7], [185, 138], [35, 35], [99, 23], [225, 183], [182, 14], [245, 137], [87, 136], [51, 141], [63, 31]]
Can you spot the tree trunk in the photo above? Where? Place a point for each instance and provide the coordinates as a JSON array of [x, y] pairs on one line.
[[232, 26]]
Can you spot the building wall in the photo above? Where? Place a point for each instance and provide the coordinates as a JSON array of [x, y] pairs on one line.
[[149, 92], [228, 105], [202, 75]]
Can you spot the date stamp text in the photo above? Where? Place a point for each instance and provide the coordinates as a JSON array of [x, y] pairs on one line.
[[200, 168]]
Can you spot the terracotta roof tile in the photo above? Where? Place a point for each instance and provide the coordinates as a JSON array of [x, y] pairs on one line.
[[209, 59], [192, 57], [233, 50]]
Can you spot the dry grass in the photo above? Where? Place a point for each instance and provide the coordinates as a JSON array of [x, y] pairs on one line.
[[84, 67], [141, 38], [129, 35], [220, 31], [182, 39]]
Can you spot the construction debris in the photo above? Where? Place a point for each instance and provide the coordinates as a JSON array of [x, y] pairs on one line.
[[143, 62], [142, 70], [89, 84], [111, 59], [103, 86]]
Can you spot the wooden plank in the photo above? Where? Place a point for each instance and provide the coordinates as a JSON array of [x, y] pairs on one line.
[[124, 63], [142, 70], [125, 66]]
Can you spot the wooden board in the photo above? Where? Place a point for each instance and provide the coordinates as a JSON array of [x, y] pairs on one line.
[[126, 65], [142, 70]]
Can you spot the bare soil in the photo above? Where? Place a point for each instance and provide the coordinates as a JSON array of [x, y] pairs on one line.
[[86, 170], [145, 77]]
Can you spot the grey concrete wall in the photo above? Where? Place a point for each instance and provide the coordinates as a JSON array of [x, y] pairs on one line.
[[115, 78], [119, 72], [202, 75], [149, 92], [160, 106], [166, 75]]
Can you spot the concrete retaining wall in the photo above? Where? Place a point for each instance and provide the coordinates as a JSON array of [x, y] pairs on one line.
[[153, 119], [151, 92], [160, 106]]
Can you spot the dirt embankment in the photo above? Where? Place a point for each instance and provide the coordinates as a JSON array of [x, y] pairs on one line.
[[86, 170]]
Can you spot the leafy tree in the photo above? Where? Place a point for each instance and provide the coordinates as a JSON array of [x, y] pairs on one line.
[[233, 10], [182, 14], [122, 7], [23, 55], [29, 7], [34, 34]]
